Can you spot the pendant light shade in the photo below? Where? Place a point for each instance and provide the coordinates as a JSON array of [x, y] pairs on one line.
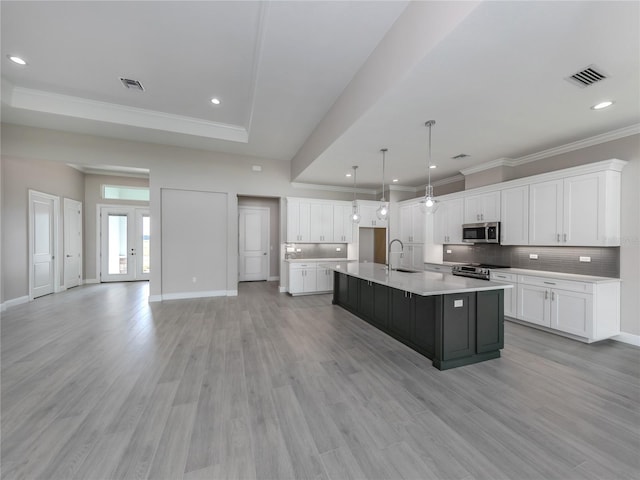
[[355, 213], [429, 204], [383, 210]]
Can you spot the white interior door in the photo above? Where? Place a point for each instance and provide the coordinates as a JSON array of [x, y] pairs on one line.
[[42, 243], [72, 242], [124, 244], [254, 243]]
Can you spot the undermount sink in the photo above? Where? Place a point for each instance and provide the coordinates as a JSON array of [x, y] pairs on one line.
[[405, 270]]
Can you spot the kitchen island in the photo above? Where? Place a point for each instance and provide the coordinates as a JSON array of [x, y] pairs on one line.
[[452, 320]]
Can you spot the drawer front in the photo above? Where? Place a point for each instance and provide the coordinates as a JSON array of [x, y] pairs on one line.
[[303, 266], [583, 287], [504, 277]]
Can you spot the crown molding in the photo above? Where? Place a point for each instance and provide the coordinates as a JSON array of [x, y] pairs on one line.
[[40, 101], [333, 188], [112, 171], [500, 162]]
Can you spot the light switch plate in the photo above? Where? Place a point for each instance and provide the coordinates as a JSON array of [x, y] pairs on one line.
[[585, 259], [533, 256], [458, 303]]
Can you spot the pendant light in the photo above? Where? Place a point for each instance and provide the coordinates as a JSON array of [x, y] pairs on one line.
[[355, 215], [429, 204], [383, 210]]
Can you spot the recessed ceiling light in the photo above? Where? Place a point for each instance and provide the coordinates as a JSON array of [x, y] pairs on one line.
[[395, 180], [602, 105], [17, 60], [433, 166], [215, 101], [347, 175]]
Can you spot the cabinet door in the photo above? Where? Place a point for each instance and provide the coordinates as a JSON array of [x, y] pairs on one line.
[[342, 226], [545, 213], [440, 224], [490, 207], [380, 305], [293, 222], [514, 226], [510, 296], [367, 302], [304, 222], [472, 209], [584, 210], [418, 224], [489, 321], [310, 280], [406, 224], [455, 210], [427, 313], [296, 280], [401, 319], [458, 325], [406, 259], [324, 279], [352, 292], [343, 289], [533, 304], [321, 223], [572, 312]]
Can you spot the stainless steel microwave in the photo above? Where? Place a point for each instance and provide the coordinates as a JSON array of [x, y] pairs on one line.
[[481, 232]]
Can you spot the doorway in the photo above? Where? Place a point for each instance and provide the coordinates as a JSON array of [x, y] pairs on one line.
[[253, 249], [72, 220], [43, 243], [124, 243]]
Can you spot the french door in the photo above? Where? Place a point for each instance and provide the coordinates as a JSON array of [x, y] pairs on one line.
[[124, 242]]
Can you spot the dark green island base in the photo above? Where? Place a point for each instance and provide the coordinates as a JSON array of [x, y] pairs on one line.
[[452, 329]]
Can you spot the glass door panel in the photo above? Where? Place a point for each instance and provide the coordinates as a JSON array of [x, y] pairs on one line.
[[125, 240]]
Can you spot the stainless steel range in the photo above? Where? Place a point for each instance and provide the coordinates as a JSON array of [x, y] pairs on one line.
[[475, 270]]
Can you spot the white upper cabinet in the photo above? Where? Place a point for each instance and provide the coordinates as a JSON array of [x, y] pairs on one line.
[[321, 227], [514, 227], [368, 217], [342, 225], [482, 208], [298, 221], [448, 222], [412, 224], [583, 210]]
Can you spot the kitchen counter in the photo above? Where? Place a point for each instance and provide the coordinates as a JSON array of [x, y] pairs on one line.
[[419, 283], [574, 277], [454, 321]]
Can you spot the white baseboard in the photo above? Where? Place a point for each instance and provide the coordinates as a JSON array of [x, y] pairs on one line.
[[273, 279], [282, 289], [188, 295], [629, 338], [90, 280], [60, 289], [14, 302]]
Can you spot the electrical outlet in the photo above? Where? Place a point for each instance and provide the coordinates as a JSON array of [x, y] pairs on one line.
[[194, 279], [533, 256], [448, 251], [298, 249], [338, 249], [585, 259]]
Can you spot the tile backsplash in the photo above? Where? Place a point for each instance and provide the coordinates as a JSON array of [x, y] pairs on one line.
[[316, 250], [605, 261]]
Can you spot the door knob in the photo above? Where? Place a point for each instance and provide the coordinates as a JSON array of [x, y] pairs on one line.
[[69, 256]]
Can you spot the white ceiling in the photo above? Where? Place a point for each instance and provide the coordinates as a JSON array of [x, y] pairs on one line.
[[495, 84]]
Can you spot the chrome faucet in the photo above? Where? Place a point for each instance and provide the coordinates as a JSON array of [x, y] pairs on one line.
[[389, 251]]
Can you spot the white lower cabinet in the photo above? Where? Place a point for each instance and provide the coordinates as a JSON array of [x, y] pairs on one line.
[[309, 278], [510, 294], [413, 257], [324, 278], [588, 311]]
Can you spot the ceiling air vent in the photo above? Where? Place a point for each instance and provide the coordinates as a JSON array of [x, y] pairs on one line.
[[587, 77], [459, 156], [134, 84]]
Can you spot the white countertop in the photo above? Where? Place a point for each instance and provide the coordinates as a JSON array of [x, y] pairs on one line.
[[557, 275], [309, 260], [420, 283], [446, 264]]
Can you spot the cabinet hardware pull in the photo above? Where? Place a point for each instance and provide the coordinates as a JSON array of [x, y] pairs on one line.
[[565, 237], [550, 283], [553, 296], [558, 237]]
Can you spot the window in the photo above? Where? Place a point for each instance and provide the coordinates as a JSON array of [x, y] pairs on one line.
[[121, 192]]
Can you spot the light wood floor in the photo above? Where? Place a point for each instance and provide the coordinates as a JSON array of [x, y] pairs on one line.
[[98, 384]]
